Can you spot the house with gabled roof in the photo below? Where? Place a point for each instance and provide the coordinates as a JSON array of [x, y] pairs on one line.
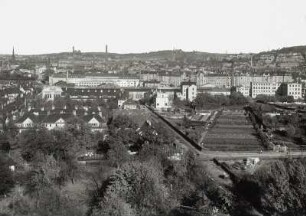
[[27, 121], [58, 118], [130, 104], [55, 121], [95, 122]]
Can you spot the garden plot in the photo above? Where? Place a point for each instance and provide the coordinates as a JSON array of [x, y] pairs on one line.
[[232, 131]]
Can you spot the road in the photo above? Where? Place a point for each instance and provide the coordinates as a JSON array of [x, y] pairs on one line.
[[211, 119], [265, 155]]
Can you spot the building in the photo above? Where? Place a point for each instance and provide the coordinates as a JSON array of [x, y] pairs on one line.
[[130, 105], [245, 80], [188, 91], [162, 101], [10, 95], [93, 93], [264, 88], [291, 89], [215, 91], [151, 84], [96, 79], [57, 118], [51, 92], [161, 78], [220, 81], [170, 78], [136, 93], [244, 90]]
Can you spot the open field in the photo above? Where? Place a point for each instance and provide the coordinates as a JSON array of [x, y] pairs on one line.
[[232, 131]]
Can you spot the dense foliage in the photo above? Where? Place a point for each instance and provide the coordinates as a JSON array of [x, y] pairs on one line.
[[207, 100], [6, 176], [278, 188]]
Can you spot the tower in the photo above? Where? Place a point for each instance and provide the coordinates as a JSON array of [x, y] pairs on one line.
[[73, 50], [13, 54], [106, 51]]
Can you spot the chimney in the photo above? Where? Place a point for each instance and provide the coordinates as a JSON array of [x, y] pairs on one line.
[[65, 107], [53, 107], [29, 108], [42, 108], [74, 112]]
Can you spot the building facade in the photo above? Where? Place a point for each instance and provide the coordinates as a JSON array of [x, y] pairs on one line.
[[264, 88], [162, 101], [188, 91], [95, 80], [51, 92]]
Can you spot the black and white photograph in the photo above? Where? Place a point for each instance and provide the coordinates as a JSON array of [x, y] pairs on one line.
[[152, 107]]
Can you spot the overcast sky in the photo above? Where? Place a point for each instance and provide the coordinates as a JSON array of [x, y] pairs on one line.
[[232, 26]]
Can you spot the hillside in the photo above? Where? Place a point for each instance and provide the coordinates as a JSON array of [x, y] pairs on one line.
[[287, 59]]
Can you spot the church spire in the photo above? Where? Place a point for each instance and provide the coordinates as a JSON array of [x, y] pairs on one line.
[[13, 54]]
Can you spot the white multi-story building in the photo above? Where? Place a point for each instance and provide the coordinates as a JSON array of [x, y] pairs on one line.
[[188, 91], [258, 88], [162, 101], [245, 80], [294, 90], [95, 80]]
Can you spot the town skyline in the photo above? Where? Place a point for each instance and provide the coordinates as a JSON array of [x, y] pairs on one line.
[[149, 51]]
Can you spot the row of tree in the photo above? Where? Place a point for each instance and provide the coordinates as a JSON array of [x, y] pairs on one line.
[[207, 100]]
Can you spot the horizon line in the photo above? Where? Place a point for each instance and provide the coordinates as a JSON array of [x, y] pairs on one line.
[[152, 51]]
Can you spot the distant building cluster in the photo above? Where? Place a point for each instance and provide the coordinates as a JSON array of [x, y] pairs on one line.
[[128, 80]]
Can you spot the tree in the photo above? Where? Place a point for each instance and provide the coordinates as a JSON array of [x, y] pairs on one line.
[[117, 153], [237, 98], [35, 142], [6, 177], [136, 187], [113, 205], [278, 188], [4, 143], [265, 98], [82, 136], [122, 122], [290, 130]]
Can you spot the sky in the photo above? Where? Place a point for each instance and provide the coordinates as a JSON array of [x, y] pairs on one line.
[[133, 26]]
